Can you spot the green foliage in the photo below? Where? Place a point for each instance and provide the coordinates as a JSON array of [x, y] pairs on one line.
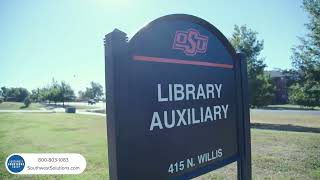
[[297, 95], [4, 92], [1, 101], [36, 95], [66, 93], [54, 92], [306, 60], [260, 86], [245, 40], [44, 93], [292, 76], [306, 94], [93, 92], [97, 90], [261, 90], [27, 101], [14, 94]]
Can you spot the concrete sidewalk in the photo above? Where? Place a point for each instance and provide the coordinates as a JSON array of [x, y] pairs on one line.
[[90, 113]]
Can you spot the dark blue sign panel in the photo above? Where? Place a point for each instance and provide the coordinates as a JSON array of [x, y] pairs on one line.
[[173, 100]]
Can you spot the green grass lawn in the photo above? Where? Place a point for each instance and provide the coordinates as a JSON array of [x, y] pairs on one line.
[[55, 133], [295, 119], [279, 155], [275, 154], [19, 106]]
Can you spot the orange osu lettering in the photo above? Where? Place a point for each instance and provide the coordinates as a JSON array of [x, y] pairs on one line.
[[190, 42]]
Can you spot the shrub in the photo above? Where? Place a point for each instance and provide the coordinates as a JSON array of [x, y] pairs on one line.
[[1, 101], [27, 101]]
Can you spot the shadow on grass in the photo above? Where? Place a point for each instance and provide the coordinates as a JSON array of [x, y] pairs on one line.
[[23, 107], [284, 127]]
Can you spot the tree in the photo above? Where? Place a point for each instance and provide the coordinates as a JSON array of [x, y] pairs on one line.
[[23, 93], [58, 92], [66, 93], [260, 85], [306, 60], [97, 90], [81, 95], [15, 94], [35, 95], [27, 101], [292, 76], [93, 92], [54, 92], [4, 92], [1, 97]]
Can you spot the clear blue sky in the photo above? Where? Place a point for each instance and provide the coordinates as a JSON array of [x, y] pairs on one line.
[[63, 39]]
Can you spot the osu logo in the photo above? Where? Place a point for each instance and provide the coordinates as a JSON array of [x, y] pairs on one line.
[[190, 42]]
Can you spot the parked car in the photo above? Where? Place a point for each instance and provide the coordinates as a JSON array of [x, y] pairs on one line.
[[91, 101]]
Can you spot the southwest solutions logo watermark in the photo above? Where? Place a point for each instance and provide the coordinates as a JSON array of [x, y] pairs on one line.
[[45, 163], [15, 163]]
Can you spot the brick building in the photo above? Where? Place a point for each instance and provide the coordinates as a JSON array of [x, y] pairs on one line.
[[280, 81]]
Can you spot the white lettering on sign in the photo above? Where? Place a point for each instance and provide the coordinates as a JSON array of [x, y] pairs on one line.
[[179, 117], [188, 116], [179, 92], [195, 161]]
